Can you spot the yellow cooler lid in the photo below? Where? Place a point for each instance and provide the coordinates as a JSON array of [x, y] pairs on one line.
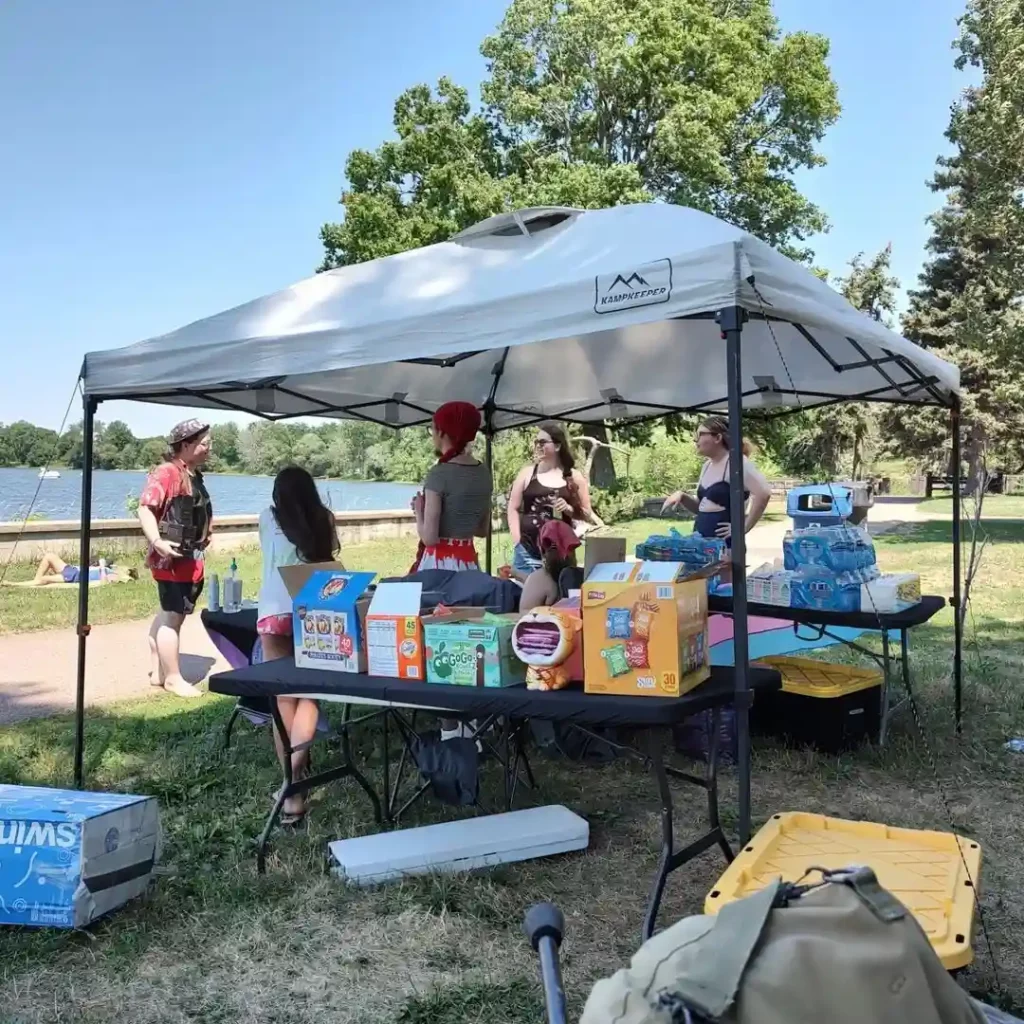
[[811, 678]]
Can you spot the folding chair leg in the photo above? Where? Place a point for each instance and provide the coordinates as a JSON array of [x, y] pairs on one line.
[[235, 712]]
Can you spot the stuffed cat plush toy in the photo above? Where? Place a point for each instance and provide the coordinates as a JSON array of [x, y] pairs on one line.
[[544, 640]]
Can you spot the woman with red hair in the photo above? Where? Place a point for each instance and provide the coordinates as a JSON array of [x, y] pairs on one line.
[[455, 504]]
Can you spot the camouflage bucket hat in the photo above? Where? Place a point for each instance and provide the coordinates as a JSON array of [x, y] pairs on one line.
[[187, 431]]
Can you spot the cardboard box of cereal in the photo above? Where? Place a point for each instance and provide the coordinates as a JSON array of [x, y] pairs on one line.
[[471, 647], [327, 612], [394, 633], [645, 629]]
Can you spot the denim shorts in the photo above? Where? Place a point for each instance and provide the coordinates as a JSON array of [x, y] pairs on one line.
[[523, 561]]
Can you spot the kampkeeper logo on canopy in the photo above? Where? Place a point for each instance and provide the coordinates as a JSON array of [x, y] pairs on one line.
[[645, 285]]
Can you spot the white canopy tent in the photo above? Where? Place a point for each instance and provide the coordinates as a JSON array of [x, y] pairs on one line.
[[580, 315], [619, 314]]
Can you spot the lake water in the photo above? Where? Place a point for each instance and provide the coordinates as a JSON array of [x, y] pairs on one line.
[[231, 495]]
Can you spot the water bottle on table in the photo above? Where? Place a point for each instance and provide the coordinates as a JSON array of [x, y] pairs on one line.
[[232, 589]]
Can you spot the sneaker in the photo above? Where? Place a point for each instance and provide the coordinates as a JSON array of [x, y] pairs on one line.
[[182, 688]]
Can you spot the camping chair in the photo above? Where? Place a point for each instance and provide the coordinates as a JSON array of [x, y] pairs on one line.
[[570, 578]]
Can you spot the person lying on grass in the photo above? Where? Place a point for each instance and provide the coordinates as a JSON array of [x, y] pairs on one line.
[[53, 569]]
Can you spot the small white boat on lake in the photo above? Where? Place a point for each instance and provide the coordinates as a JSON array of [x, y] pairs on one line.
[[49, 474]]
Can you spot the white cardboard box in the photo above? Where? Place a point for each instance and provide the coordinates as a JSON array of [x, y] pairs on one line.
[[459, 845], [394, 632]]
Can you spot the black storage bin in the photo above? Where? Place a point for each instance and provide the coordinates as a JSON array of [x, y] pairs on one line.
[[829, 707]]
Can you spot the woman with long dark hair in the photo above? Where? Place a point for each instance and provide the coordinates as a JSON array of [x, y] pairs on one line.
[[712, 503], [296, 528], [551, 487]]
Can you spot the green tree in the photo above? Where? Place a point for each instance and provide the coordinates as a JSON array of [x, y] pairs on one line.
[[592, 103], [710, 104], [224, 443], [150, 453], [28, 445], [310, 452], [968, 306]]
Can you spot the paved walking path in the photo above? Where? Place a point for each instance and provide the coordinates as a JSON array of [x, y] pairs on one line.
[[38, 670]]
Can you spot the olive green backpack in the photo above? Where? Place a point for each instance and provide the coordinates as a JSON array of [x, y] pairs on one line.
[[841, 952]]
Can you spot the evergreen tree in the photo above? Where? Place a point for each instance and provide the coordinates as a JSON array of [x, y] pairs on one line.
[[968, 306]]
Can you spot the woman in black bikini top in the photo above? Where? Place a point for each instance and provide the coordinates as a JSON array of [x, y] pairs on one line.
[[533, 502], [540, 504], [713, 502]]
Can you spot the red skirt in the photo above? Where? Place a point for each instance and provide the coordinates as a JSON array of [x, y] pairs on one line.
[[457, 555]]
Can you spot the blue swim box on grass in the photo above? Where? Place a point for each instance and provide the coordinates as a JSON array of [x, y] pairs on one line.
[[67, 857]]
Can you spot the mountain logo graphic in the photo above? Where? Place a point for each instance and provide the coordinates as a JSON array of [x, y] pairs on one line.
[[642, 285], [632, 282]]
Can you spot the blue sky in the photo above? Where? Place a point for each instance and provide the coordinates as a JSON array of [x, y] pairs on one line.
[[161, 161]]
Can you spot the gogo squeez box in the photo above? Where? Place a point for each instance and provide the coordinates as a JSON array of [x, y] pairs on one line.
[[67, 858], [645, 629]]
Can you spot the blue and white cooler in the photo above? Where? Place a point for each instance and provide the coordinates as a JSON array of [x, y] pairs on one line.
[[819, 505], [67, 857]]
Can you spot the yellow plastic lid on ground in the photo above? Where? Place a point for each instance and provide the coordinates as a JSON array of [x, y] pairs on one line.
[[924, 870], [820, 678]]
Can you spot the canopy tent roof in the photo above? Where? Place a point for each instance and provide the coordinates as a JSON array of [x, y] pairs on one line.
[[577, 315]]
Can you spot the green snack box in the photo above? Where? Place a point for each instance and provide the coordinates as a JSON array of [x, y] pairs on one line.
[[471, 647]]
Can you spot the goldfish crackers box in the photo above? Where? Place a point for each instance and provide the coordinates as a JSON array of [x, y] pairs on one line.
[[645, 629], [328, 613]]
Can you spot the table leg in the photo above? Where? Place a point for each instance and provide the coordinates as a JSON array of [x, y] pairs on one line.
[[905, 658], [282, 794], [235, 712], [386, 767], [671, 859], [349, 768], [295, 787], [883, 726]]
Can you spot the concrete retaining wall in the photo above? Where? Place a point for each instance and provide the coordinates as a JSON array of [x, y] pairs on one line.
[[28, 541]]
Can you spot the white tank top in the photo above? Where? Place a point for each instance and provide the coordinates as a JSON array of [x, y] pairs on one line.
[[277, 550]]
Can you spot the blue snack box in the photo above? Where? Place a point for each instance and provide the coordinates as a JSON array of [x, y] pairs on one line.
[[67, 858], [328, 616]]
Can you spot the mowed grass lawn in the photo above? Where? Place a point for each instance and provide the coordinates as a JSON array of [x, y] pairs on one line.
[[213, 942], [25, 609]]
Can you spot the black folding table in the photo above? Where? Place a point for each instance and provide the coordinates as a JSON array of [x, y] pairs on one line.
[[822, 621], [515, 706]]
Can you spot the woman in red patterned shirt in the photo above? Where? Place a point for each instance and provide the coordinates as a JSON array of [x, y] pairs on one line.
[[175, 513]]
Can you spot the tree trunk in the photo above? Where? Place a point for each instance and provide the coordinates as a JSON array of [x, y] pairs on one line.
[[602, 468]]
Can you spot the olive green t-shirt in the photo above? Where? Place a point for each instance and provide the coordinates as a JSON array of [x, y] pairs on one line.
[[465, 497]]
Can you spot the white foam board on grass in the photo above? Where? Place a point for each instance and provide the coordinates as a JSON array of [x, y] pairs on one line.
[[459, 845]]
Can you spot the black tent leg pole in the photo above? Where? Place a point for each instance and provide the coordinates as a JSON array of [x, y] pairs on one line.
[[958, 681], [731, 322], [85, 531], [490, 518]]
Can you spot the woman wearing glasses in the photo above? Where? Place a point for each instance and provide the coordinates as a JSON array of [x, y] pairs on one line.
[[712, 504], [550, 488]]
